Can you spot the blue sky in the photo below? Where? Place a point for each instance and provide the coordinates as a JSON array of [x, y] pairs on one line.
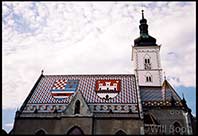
[[80, 37]]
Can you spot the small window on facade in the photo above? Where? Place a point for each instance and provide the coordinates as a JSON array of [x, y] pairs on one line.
[[148, 79], [77, 107], [145, 61]]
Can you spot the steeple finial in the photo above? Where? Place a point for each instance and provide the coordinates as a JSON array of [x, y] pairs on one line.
[[143, 26], [183, 100], [164, 76], [42, 72], [183, 96], [142, 14]]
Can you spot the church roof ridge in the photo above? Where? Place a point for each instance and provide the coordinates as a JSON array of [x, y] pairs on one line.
[[172, 89], [31, 93], [51, 75]]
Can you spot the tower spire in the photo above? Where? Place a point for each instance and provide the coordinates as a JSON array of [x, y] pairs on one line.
[[146, 59], [145, 39], [142, 14], [143, 26]]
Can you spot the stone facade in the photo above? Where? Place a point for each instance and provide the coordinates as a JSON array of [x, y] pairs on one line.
[[90, 123]]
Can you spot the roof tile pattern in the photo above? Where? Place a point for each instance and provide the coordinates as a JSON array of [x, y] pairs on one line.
[[155, 93], [128, 93]]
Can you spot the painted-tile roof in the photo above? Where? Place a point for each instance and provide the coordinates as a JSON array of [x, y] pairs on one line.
[[42, 94], [153, 93], [43, 97]]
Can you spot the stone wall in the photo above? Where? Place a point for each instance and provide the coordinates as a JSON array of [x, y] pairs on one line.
[[87, 124], [167, 117], [52, 126], [111, 126]]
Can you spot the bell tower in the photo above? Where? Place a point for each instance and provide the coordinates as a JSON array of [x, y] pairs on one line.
[[146, 57]]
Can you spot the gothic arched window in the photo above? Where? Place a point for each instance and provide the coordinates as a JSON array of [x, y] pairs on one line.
[[75, 131], [148, 77], [40, 132], [77, 107], [120, 132], [176, 128], [147, 64]]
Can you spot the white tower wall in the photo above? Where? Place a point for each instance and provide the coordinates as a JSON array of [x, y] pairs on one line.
[[154, 71]]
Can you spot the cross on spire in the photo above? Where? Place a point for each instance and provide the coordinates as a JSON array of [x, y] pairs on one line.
[[42, 72]]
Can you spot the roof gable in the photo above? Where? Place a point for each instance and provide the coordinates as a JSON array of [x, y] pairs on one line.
[[84, 108]]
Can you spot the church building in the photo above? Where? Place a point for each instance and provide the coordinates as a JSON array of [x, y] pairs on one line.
[[113, 104]]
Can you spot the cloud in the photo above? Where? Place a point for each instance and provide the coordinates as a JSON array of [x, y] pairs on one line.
[[89, 37]]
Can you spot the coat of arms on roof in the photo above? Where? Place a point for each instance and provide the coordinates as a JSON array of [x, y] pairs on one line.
[[107, 88], [63, 89]]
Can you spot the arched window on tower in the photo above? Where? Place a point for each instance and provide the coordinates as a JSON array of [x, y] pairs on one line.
[[147, 64], [148, 77], [77, 107]]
